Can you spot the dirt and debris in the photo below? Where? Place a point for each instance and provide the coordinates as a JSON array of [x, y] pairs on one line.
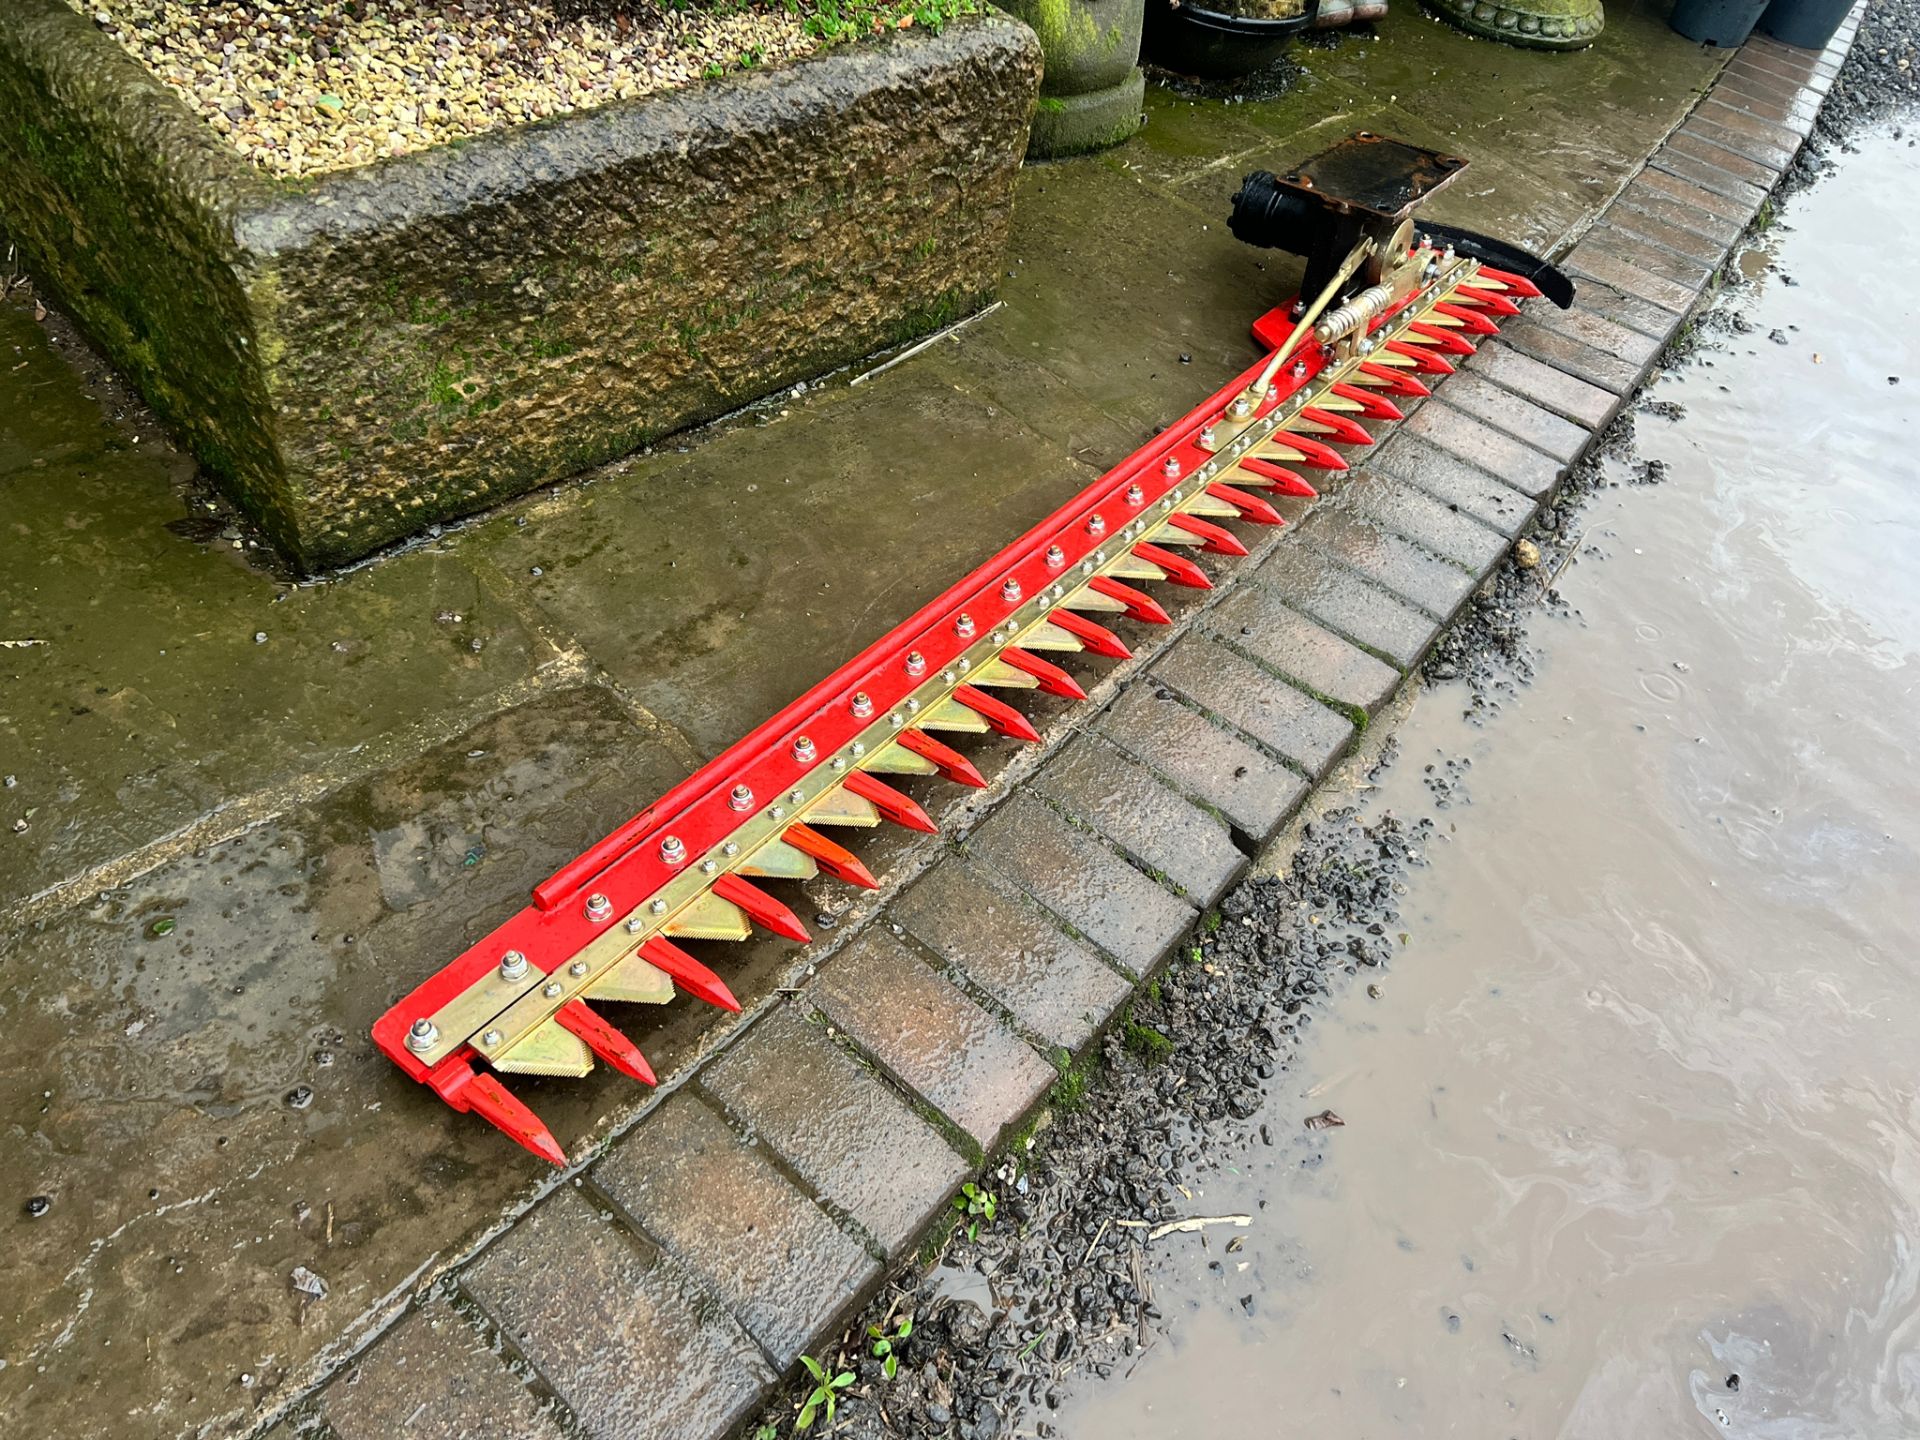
[[1056, 1285]]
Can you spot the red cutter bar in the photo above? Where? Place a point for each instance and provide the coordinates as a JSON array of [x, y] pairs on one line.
[[610, 926]]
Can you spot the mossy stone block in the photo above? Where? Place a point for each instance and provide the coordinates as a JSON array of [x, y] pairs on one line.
[[360, 354]]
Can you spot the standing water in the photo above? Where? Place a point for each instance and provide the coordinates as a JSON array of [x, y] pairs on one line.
[[1632, 1127]]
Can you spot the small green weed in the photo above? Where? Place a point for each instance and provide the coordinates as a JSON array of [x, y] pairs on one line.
[[977, 1205], [825, 1393], [886, 1346]]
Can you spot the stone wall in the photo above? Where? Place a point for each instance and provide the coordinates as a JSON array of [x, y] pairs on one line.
[[360, 355]]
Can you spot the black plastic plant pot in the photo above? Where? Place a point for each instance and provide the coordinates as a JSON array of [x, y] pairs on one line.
[[1214, 45]]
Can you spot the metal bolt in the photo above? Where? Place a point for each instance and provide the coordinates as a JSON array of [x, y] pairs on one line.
[[741, 798], [599, 907], [635, 925], [947, 677], [553, 989], [913, 704], [1059, 592], [1135, 494], [916, 663], [731, 848], [1100, 557], [836, 763], [1056, 557], [658, 907], [862, 705], [423, 1034], [859, 748], [1086, 567], [778, 812], [1299, 369], [512, 965], [1241, 407], [803, 748], [896, 720], [672, 850], [963, 625], [707, 867], [577, 968], [1171, 469], [490, 1039], [1011, 591], [796, 796], [965, 664], [1096, 525]]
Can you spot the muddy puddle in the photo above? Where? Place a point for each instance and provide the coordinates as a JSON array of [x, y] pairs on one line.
[[1631, 1139]]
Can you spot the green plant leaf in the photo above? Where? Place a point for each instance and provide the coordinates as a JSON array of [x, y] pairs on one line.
[[891, 1367], [842, 1380], [814, 1367], [906, 1327]]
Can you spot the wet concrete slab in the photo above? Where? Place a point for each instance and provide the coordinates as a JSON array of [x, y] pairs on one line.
[[165, 679], [188, 1078], [1053, 985], [728, 1215]]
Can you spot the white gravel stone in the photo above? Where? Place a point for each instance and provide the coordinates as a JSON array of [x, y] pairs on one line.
[[300, 87]]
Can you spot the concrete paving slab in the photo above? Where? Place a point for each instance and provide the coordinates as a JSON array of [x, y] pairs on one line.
[[189, 1075], [1690, 244], [1417, 576], [631, 1346], [1053, 985], [1706, 173], [1465, 489], [1292, 646], [1280, 716], [435, 1376], [166, 678], [1705, 227], [1209, 762], [1111, 794], [1410, 511], [1577, 358], [1076, 877], [932, 1038], [1691, 198], [726, 1214], [1318, 587], [1587, 406], [1469, 438], [841, 1128], [718, 590]]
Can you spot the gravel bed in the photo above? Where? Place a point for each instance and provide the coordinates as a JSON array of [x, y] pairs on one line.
[[305, 86], [1881, 77]]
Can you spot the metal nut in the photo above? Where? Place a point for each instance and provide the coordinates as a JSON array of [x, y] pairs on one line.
[[512, 965], [423, 1034], [599, 907], [673, 850]]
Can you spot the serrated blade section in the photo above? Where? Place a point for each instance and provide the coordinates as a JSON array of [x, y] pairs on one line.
[[592, 1030], [613, 925]]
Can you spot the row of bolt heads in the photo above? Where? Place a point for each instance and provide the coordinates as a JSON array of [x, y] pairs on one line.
[[424, 1035]]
